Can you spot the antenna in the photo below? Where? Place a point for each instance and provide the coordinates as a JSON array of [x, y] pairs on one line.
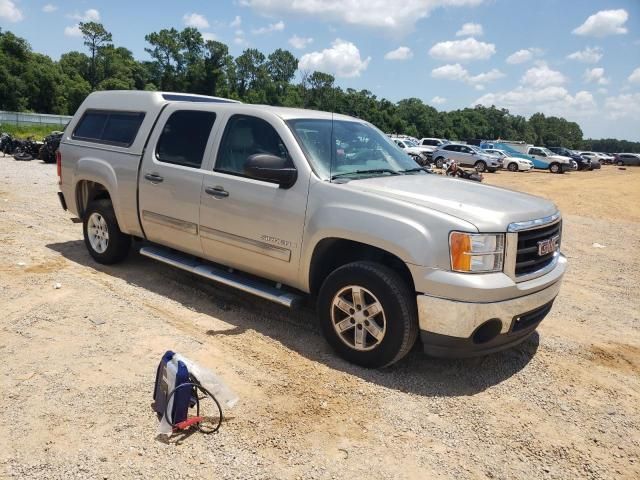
[[332, 140]]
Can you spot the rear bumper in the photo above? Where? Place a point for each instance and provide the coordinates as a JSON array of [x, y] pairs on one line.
[[450, 328]]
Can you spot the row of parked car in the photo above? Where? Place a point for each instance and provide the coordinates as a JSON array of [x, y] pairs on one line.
[[491, 155]]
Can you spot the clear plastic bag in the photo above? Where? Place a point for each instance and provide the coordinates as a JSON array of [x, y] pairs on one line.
[[210, 381]]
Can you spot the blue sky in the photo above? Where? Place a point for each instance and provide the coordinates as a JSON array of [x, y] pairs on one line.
[[576, 58]]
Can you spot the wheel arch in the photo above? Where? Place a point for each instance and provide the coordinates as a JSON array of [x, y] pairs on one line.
[[333, 252]]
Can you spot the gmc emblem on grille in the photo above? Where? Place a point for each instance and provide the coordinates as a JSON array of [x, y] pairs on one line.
[[550, 245]]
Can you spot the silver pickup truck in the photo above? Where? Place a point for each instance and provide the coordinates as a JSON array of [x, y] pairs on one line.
[[291, 204]]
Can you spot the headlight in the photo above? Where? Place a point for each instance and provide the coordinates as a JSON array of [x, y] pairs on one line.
[[476, 253]]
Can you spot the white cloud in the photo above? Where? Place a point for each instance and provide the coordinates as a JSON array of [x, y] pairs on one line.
[[542, 76], [437, 100], [523, 56], [551, 100], [603, 23], [595, 75], [400, 53], [300, 43], [635, 76], [457, 72], [371, 13], [236, 22], [195, 20], [588, 55], [91, 15], [342, 59], [209, 36], [462, 50], [48, 8], [621, 106], [73, 31], [470, 30], [272, 27], [10, 12]]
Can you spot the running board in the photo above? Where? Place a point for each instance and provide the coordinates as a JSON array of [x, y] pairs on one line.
[[232, 279]]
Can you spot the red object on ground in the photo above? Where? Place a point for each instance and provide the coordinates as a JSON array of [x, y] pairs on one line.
[[188, 422]]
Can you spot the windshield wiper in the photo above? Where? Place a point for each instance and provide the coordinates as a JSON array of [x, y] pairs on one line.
[[360, 172], [410, 170]]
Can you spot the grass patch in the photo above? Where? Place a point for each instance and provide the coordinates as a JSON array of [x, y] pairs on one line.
[[25, 131]]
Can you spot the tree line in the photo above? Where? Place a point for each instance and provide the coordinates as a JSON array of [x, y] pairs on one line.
[[183, 61]]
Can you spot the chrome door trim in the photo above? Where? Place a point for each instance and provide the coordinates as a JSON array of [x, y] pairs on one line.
[[245, 243], [175, 223]]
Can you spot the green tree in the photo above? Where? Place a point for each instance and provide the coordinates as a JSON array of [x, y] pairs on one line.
[[95, 37]]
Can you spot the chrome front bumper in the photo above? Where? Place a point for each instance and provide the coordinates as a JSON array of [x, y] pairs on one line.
[[452, 328], [460, 319]]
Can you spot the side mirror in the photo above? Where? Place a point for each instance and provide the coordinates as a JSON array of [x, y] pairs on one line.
[[271, 168]]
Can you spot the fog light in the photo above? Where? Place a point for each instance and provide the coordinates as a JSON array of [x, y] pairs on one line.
[[487, 331]]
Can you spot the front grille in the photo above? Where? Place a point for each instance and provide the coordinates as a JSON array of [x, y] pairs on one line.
[[527, 259]]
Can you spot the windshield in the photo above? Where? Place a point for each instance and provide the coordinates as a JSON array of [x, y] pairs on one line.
[[357, 146], [547, 151], [411, 143]]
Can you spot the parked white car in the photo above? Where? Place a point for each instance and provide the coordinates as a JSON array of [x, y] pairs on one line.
[[513, 164], [432, 143], [413, 149]]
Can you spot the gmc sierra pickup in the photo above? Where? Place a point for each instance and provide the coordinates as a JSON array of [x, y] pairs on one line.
[[286, 203]]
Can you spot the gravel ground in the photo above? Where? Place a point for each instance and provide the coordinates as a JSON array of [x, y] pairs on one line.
[[80, 363]]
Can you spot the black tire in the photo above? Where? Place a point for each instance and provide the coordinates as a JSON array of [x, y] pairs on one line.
[[23, 157], [481, 166], [439, 162], [512, 167], [555, 168], [118, 243], [620, 163], [398, 303]]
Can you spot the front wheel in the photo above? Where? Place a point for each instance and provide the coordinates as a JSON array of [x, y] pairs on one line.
[[481, 166], [439, 162], [102, 235], [620, 163], [368, 314], [554, 168], [512, 167]]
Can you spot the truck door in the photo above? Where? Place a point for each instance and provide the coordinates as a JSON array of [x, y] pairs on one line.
[[539, 158], [171, 176], [249, 224]]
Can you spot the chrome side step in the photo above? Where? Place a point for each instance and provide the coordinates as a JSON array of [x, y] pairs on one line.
[[199, 267]]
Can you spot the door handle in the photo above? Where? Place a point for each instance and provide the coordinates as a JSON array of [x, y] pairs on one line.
[[153, 178], [218, 192]]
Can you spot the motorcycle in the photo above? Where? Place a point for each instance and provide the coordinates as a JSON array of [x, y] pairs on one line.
[[50, 147], [27, 150], [7, 143], [452, 170]]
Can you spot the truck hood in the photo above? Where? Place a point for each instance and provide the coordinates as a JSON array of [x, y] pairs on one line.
[[489, 208]]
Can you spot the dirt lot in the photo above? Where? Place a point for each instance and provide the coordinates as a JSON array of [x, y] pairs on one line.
[[80, 363]]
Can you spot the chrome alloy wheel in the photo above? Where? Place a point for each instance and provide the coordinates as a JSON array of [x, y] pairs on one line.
[[98, 232], [358, 318]]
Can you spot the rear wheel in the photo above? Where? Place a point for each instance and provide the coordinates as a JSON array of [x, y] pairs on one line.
[[481, 166], [23, 157], [512, 167], [620, 163], [102, 235], [368, 314]]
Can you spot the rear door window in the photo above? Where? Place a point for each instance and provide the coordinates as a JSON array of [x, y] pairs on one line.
[[109, 127], [184, 138]]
